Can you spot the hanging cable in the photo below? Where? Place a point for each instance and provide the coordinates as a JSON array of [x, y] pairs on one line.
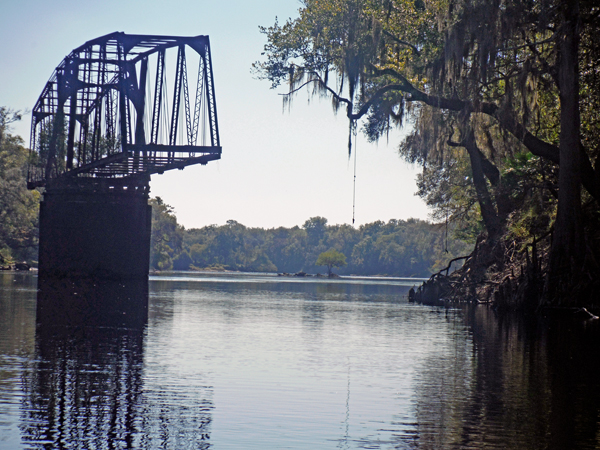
[[354, 186], [446, 229]]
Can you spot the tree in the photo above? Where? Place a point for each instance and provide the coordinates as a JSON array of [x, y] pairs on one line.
[[483, 81], [286, 248], [166, 242], [316, 228], [331, 258], [568, 246], [18, 206]]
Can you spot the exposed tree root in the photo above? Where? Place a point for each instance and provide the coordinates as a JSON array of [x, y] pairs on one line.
[[510, 275]]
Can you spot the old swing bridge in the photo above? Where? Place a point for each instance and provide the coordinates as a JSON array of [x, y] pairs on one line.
[[116, 110]]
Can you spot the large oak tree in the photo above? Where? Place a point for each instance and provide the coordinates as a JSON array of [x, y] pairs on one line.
[[483, 80]]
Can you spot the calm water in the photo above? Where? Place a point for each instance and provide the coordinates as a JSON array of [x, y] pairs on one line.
[[238, 361]]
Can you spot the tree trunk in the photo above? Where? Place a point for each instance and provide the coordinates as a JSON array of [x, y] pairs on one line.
[[488, 211], [568, 244], [502, 198]]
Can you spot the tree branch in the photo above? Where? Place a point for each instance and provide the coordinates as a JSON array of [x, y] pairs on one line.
[[320, 81], [490, 171], [374, 98], [400, 41], [529, 44], [507, 121]]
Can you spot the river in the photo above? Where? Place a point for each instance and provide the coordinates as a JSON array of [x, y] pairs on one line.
[[247, 361]]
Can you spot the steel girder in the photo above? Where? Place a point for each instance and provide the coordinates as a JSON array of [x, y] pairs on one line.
[[105, 111]]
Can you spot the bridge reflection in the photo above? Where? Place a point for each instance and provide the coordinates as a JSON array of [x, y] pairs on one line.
[[88, 385], [84, 388], [84, 302]]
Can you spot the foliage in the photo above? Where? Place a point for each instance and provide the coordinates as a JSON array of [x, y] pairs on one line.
[[498, 93], [167, 236], [402, 248], [331, 258], [18, 206]]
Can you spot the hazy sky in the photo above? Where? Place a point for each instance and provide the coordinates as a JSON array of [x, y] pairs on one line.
[[278, 167]]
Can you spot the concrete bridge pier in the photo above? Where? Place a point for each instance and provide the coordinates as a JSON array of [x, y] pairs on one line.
[[93, 229], [94, 251]]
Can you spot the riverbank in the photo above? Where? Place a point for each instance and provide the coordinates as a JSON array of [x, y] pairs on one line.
[[18, 267], [509, 275]]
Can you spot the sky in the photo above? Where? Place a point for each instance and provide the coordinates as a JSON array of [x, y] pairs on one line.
[[279, 166]]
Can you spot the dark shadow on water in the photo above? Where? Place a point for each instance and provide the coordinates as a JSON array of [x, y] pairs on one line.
[[86, 385], [528, 382], [84, 302], [559, 365]]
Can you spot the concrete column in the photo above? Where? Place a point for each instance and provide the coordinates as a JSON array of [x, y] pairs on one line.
[[94, 254], [102, 233]]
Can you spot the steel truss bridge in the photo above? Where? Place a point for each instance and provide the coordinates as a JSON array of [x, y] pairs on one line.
[[112, 112]]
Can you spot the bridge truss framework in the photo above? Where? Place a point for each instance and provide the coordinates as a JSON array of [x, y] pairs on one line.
[[118, 109]]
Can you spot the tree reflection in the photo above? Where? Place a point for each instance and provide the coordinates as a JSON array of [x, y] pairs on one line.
[[511, 382]]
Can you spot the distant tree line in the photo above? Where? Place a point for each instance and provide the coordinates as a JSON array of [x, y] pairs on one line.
[[399, 247]]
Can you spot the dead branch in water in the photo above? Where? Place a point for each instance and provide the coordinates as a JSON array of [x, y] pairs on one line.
[[447, 268]]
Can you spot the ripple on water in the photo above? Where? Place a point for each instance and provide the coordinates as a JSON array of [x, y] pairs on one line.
[[253, 362]]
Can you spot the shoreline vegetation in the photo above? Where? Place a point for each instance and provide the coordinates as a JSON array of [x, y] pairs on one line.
[[352, 276], [462, 262], [399, 248], [408, 248], [502, 99]]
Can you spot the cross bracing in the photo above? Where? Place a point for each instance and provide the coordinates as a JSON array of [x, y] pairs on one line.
[[113, 109]]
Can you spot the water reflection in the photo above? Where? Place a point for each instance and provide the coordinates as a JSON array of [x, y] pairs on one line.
[[235, 362], [522, 382], [83, 388], [88, 302], [88, 386]]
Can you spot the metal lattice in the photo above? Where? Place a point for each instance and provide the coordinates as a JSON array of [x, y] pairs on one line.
[[106, 112]]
